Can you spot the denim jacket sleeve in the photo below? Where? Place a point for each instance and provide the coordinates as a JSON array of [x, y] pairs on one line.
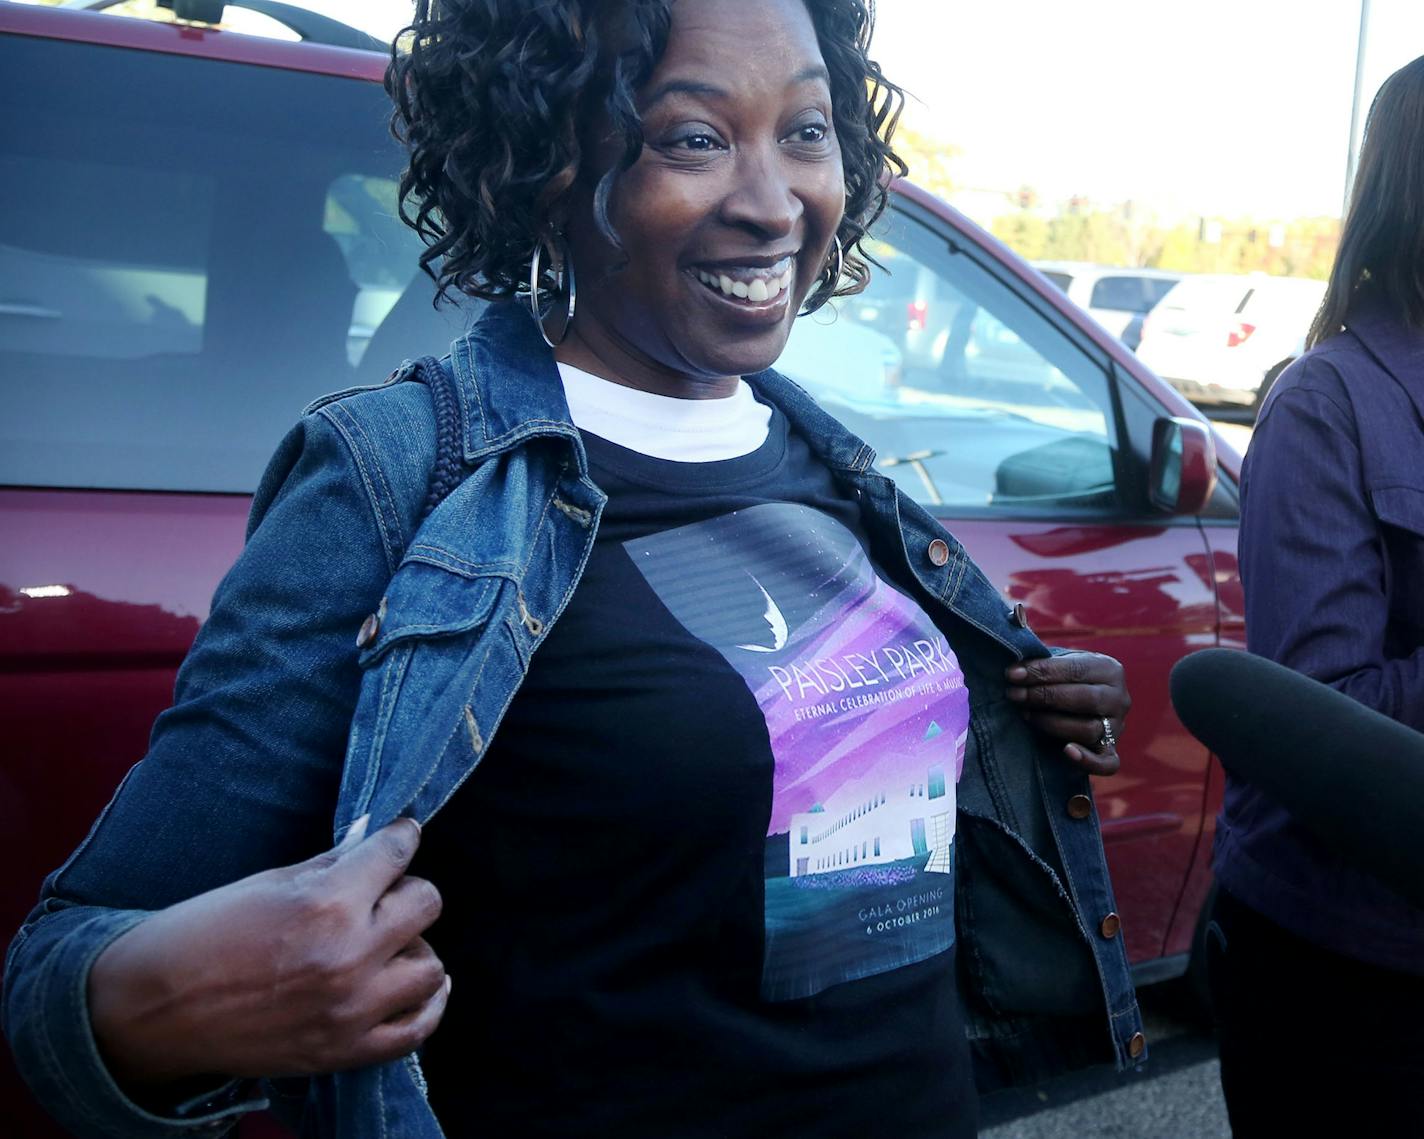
[[1313, 563], [241, 774]]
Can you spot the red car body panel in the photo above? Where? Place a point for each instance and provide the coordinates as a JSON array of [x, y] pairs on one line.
[[84, 673], [1136, 593], [101, 593], [1231, 634], [1148, 597]]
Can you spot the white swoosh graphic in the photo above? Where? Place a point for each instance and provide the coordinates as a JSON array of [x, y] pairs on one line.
[[779, 631]]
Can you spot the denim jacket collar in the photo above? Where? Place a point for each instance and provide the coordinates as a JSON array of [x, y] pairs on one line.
[[509, 385]]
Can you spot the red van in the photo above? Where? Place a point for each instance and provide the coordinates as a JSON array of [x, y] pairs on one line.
[[197, 237]]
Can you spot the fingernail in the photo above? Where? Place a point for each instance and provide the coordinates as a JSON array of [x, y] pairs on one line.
[[1072, 752], [356, 832], [1018, 672], [1018, 695], [448, 984], [418, 828]]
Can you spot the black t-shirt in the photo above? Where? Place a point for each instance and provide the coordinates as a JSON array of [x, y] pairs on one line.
[[701, 883]]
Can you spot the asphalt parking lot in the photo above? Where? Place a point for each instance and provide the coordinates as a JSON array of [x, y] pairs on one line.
[[1175, 1096]]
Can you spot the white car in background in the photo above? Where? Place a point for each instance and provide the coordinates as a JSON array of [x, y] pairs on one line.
[[1217, 338], [1116, 297]]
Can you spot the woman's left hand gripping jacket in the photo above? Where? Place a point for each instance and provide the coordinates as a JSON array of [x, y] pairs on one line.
[[241, 775], [1078, 697]]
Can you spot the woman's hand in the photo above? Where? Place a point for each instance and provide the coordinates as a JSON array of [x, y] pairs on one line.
[[305, 969], [1080, 697]]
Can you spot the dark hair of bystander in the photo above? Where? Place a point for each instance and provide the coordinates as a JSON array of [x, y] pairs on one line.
[[1382, 243]]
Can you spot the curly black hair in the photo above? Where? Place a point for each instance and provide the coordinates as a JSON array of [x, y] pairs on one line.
[[492, 97]]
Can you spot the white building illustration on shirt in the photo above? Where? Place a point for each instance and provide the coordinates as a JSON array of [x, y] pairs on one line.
[[870, 822]]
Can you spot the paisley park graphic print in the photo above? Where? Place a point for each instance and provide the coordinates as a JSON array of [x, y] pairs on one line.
[[867, 714]]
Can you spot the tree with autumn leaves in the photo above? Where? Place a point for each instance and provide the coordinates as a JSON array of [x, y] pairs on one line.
[[1128, 234]]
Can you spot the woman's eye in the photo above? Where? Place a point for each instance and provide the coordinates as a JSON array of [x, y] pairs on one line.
[[811, 133], [700, 143]]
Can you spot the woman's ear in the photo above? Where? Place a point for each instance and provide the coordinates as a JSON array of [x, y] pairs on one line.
[[556, 217], [553, 199]]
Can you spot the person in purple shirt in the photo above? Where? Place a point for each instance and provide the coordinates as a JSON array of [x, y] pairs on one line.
[[1316, 968]]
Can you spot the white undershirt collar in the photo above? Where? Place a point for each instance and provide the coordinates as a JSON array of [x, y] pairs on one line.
[[664, 427]]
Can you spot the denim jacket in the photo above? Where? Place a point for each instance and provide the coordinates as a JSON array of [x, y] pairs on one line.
[[280, 721]]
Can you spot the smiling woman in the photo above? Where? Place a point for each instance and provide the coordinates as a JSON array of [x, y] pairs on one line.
[[748, 153], [737, 788]]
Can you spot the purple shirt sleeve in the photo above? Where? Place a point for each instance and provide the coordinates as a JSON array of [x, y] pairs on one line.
[[1313, 561]]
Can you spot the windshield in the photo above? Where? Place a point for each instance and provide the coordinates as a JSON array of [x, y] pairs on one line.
[[183, 273]]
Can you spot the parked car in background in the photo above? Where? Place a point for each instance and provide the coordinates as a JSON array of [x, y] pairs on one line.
[[1118, 298], [1216, 338], [909, 306], [196, 239]]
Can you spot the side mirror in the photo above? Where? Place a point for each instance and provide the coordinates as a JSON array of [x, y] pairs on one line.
[[1183, 468]]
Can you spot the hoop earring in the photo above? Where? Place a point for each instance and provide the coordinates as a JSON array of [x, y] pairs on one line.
[[825, 291], [563, 295]]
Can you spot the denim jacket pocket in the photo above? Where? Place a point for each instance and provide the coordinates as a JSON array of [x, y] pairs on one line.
[[425, 656], [1004, 890], [1032, 979], [425, 601]]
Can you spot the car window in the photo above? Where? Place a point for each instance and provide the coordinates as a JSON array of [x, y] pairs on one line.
[[1128, 293], [379, 251], [1217, 295], [970, 397], [1156, 288], [1286, 298], [189, 253]]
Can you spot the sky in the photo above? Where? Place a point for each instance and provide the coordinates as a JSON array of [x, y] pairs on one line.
[[1216, 107], [1213, 107]]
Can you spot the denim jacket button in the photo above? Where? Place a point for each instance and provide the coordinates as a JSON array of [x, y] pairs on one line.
[[1110, 926], [1019, 616], [938, 552], [370, 630], [1080, 807], [1137, 1045]]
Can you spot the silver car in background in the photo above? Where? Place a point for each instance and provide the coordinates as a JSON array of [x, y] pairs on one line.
[[1116, 297], [1221, 339]]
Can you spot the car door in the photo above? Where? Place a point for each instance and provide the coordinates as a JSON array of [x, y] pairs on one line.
[[1014, 428]]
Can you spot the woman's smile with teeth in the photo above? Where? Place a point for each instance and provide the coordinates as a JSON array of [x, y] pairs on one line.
[[749, 283]]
